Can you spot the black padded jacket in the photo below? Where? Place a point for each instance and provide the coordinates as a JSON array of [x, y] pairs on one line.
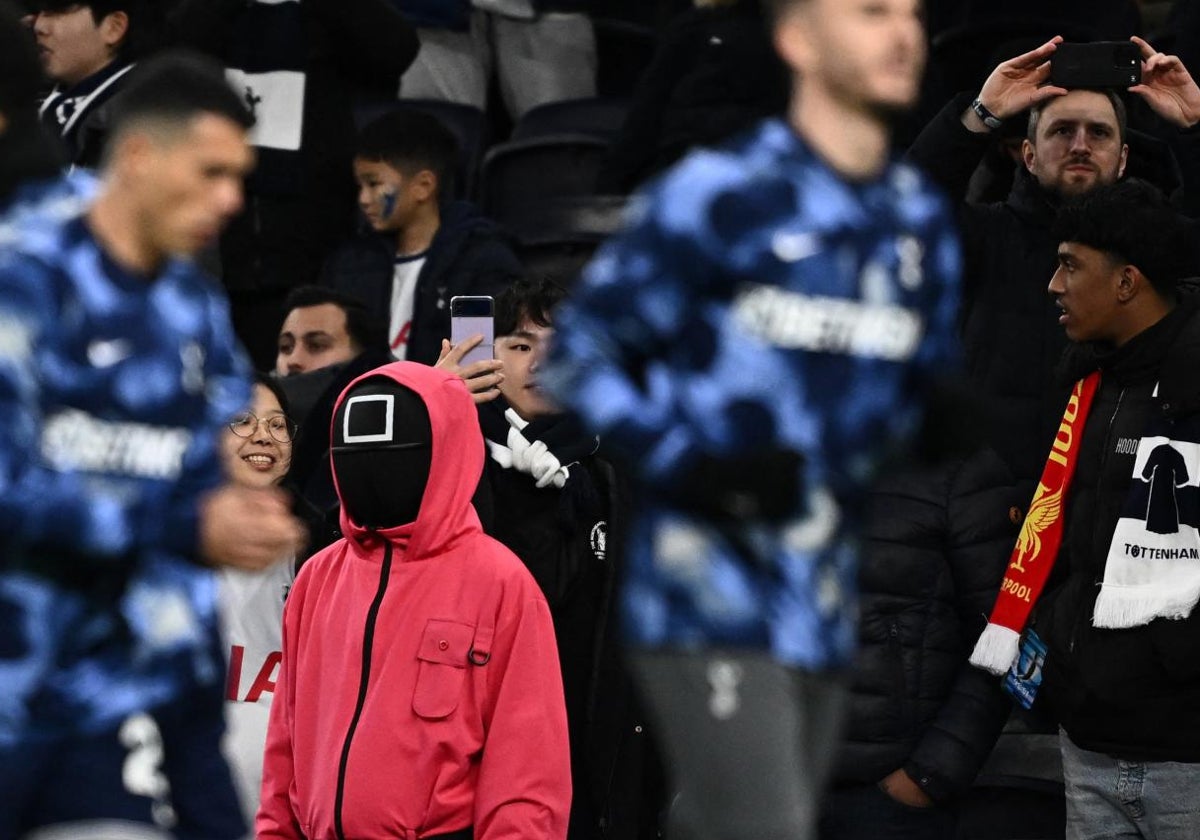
[[938, 541]]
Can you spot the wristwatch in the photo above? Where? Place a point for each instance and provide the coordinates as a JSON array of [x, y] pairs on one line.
[[989, 119]]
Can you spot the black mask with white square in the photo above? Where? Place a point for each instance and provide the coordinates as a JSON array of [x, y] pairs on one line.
[[382, 446]]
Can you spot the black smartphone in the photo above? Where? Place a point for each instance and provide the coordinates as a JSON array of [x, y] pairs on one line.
[[1099, 64], [472, 315]]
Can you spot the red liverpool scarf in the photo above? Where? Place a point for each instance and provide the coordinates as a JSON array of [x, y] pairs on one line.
[[1041, 535]]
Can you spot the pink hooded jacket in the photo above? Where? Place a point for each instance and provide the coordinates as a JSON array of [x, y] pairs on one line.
[[419, 691]]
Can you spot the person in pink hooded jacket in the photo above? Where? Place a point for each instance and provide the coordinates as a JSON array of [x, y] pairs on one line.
[[419, 694]]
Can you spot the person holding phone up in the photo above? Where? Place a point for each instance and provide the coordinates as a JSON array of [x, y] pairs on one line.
[[1076, 141]]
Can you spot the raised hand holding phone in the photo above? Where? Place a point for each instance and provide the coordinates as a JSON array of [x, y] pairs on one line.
[[1098, 64], [482, 377], [1167, 86]]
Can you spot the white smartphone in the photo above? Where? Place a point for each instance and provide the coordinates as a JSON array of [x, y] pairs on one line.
[[473, 315]]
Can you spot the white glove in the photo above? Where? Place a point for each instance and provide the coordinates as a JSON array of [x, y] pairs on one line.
[[535, 458], [544, 467]]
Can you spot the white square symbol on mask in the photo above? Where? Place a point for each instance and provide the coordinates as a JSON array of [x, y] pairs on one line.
[[371, 428]]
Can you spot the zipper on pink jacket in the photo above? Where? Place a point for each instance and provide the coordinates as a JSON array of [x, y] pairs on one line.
[[368, 644]]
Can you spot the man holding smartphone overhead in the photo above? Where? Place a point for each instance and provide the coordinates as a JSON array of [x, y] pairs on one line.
[[1077, 140], [753, 342]]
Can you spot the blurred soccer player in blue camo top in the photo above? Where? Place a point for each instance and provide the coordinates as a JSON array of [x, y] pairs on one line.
[[758, 338], [118, 371]]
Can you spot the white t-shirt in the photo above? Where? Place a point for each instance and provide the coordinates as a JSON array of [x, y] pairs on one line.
[[251, 605], [404, 293]]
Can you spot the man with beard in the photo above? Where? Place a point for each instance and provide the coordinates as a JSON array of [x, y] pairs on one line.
[[1076, 141], [753, 342]]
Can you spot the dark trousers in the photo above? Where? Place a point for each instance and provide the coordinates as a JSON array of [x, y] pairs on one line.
[[154, 775], [864, 812]]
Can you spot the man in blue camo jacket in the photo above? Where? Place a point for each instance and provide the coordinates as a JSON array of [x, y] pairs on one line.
[[118, 369], [755, 342]]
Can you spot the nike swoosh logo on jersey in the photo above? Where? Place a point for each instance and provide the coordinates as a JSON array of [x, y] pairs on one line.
[[103, 353], [793, 247]]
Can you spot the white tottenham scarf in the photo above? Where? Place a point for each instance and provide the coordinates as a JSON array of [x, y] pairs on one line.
[[1153, 566]]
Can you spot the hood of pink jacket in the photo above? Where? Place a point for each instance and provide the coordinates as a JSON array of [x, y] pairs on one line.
[[446, 514]]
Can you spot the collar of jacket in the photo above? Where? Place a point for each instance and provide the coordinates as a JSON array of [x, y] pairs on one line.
[[1168, 352], [459, 220], [1029, 200]]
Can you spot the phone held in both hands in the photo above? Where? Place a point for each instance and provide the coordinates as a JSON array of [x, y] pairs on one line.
[[472, 315], [1100, 64]]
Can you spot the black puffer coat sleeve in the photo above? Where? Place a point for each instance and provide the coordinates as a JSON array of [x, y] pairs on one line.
[[938, 540], [947, 151], [982, 522]]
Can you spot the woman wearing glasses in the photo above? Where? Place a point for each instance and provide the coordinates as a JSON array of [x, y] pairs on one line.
[[257, 451]]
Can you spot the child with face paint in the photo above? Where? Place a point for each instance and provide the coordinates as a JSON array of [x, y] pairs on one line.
[[421, 248], [389, 203]]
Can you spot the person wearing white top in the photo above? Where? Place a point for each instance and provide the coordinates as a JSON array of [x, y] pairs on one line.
[[257, 451]]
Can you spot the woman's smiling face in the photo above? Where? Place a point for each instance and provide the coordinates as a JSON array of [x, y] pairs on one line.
[[260, 459]]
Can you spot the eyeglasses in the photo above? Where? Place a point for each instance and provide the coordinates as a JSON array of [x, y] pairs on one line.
[[279, 426]]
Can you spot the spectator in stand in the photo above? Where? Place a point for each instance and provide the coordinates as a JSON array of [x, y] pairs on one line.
[[419, 694], [28, 155], [327, 341], [295, 65], [713, 74], [256, 449], [920, 720], [322, 329], [87, 49], [556, 502], [1095, 621], [117, 370], [421, 250], [540, 51], [1075, 142]]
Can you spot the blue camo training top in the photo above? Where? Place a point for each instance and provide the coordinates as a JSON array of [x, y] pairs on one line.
[[756, 299], [113, 391]]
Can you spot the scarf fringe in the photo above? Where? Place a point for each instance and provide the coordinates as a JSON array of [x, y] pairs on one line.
[[997, 649], [1117, 609]]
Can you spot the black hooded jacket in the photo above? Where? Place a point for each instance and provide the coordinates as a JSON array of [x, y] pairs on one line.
[[469, 255], [570, 540]]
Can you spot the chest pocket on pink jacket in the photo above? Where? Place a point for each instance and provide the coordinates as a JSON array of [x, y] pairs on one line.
[[448, 649]]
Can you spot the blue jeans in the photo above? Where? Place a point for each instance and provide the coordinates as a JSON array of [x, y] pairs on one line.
[[1113, 799]]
